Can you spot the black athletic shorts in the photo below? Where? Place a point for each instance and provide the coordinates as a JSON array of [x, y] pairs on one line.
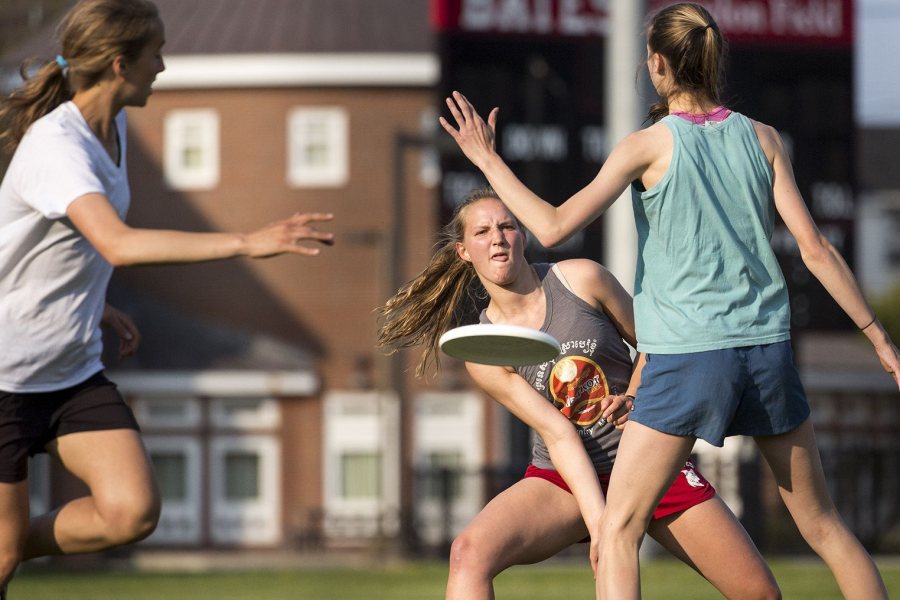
[[29, 421]]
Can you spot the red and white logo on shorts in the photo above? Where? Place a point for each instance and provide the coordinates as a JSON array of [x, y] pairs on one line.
[[692, 477], [577, 385]]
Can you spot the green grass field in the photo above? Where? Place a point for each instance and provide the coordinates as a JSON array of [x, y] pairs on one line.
[[664, 579]]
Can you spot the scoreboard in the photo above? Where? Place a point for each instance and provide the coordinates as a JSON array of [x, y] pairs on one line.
[[542, 62]]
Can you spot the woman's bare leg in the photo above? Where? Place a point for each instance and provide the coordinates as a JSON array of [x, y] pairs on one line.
[[13, 526], [795, 462], [709, 538], [527, 523], [123, 505], [647, 462]]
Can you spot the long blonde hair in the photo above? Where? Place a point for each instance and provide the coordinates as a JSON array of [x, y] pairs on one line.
[[690, 40], [91, 35], [446, 294]]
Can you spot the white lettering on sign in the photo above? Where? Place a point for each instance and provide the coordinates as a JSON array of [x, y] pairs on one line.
[[565, 17], [831, 200], [823, 18], [535, 142], [594, 145], [804, 18]]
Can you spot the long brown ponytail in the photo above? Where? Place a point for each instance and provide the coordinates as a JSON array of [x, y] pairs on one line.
[[91, 35], [442, 296], [690, 40]]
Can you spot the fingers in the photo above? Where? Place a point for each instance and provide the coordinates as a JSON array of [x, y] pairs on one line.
[[613, 405], [449, 128], [455, 111], [304, 251], [492, 118], [129, 335], [303, 218], [615, 410], [465, 106], [299, 230]]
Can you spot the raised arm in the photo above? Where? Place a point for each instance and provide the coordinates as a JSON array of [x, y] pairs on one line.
[[820, 256], [549, 224], [563, 443], [123, 245]]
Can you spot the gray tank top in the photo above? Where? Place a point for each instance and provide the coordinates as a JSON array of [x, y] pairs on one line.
[[594, 362]]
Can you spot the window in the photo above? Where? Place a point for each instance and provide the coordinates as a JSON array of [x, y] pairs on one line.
[[241, 476], [245, 485], [443, 475], [318, 147], [171, 474], [361, 475], [448, 451], [176, 461], [39, 484], [360, 464], [191, 153]]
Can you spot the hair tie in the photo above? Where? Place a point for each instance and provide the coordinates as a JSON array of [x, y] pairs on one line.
[[62, 62]]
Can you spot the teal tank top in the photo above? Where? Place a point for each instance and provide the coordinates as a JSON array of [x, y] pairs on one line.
[[707, 277]]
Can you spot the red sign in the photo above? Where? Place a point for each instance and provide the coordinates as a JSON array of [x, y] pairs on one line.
[[807, 22], [554, 18], [813, 22]]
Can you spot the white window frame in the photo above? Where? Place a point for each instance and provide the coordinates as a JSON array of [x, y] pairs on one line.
[[180, 522], [246, 522], [206, 175], [375, 431], [190, 418], [335, 173], [267, 416], [459, 431]]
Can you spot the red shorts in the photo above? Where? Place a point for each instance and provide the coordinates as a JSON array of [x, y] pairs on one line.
[[690, 488]]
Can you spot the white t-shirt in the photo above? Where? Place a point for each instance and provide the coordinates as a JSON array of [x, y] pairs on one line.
[[52, 280]]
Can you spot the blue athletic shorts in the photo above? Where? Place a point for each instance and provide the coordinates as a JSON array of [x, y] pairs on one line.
[[753, 390]]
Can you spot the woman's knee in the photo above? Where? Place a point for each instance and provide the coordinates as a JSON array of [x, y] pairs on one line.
[[759, 588], [823, 529], [9, 561], [621, 527], [467, 556], [130, 518]]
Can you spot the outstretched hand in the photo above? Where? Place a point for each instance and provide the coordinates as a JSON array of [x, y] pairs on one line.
[[287, 235], [475, 137]]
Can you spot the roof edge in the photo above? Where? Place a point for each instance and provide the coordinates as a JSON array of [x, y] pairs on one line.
[[293, 70], [219, 383]]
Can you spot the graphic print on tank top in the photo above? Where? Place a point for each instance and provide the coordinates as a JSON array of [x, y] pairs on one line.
[[577, 384]]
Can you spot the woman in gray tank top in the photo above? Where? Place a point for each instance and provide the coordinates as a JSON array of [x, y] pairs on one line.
[[710, 302], [571, 402]]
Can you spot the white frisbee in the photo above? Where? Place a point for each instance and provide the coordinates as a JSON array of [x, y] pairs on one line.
[[502, 345]]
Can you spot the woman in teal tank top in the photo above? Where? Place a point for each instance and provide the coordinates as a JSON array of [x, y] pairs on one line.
[[710, 302], [562, 400]]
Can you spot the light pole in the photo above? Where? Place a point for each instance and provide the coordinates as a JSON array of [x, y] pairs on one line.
[[625, 50]]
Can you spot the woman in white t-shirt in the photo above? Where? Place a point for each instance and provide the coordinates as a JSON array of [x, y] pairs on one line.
[[62, 204]]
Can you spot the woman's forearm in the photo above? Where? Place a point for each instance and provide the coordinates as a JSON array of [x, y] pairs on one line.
[[573, 464]]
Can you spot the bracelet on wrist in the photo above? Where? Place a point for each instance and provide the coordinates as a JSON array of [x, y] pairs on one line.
[[863, 328]]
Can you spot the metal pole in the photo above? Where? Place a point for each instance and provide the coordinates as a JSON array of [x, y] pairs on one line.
[[397, 378], [624, 52]]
